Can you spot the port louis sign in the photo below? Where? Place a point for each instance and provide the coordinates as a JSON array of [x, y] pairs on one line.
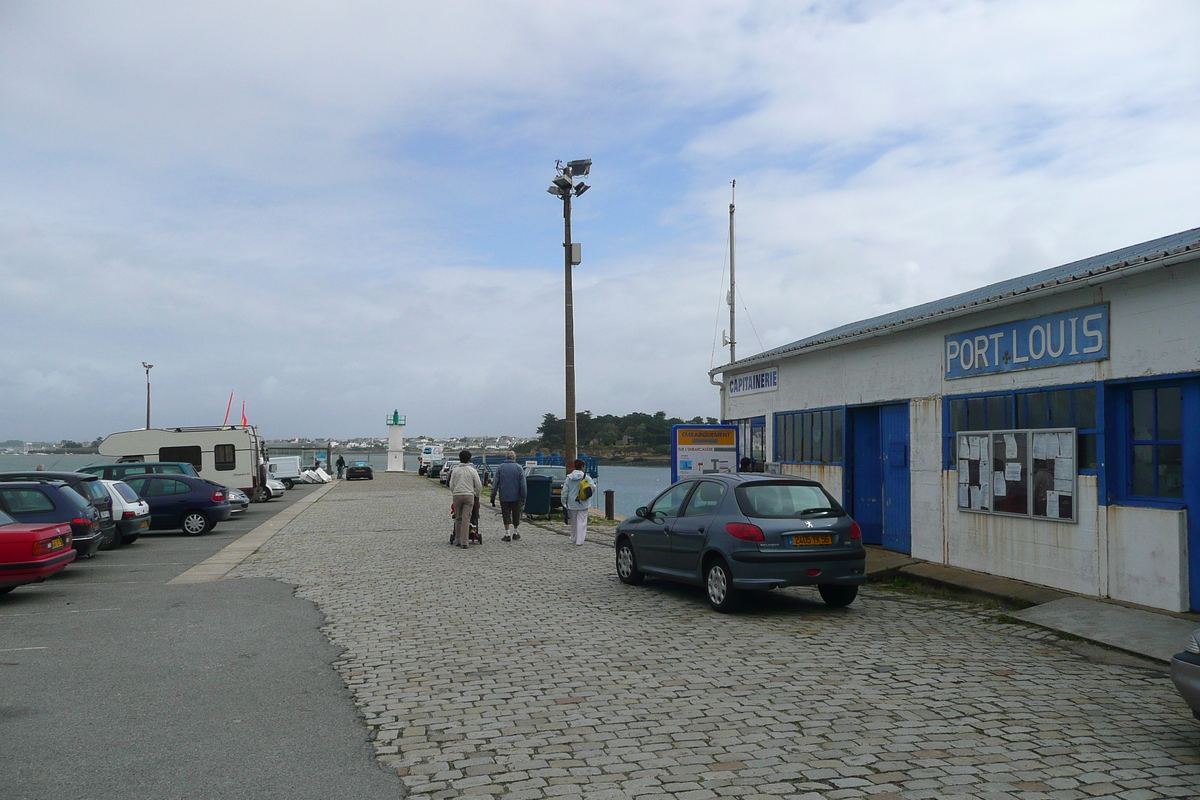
[[703, 450], [1066, 338]]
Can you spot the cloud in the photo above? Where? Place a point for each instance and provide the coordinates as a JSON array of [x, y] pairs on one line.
[[338, 210]]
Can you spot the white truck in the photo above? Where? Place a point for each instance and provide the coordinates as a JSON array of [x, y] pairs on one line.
[[231, 455], [429, 454], [285, 469]]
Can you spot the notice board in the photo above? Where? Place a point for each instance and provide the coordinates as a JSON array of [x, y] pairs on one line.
[[1027, 473]]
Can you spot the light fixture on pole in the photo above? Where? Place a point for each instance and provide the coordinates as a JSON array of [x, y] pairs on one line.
[[148, 368], [564, 187]]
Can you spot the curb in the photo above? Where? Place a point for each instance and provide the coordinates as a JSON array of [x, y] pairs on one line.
[[217, 566]]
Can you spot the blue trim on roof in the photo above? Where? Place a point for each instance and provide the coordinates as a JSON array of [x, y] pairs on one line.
[[1076, 270]]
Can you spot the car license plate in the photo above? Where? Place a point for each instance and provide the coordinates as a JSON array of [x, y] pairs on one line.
[[56, 542], [144, 524], [812, 538]]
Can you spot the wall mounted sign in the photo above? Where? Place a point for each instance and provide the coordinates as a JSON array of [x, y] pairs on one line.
[[1066, 338], [766, 380]]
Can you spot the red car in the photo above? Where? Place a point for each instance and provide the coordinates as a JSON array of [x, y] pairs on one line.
[[32, 552]]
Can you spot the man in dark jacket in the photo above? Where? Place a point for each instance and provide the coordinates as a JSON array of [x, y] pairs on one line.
[[341, 466], [509, 488]]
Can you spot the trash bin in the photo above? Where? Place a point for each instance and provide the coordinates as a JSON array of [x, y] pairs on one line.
[[537, 495]]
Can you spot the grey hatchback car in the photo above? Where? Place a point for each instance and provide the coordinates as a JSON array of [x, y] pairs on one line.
[[739, 532]]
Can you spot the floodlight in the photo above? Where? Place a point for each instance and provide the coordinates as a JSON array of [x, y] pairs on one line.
[[554, 190], [147, 366], [581, 167], [581, 188], [563, 182]]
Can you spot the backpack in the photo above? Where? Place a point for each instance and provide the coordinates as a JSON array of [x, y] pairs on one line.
[[586, 490]]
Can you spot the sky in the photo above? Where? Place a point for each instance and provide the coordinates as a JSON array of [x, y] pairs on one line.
[[337, 210]]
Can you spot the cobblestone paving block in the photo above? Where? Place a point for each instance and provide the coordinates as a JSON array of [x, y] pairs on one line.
[[526, 670]]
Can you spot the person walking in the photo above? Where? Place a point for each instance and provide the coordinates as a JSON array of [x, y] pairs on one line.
[[465, 488], [509, 487], [341, 466], [577, 494]]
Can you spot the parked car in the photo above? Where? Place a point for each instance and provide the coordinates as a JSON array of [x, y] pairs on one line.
[[444, 475], [180, 501], [557, 475], [435, 469], [30, 552], [131, 513], [54, 502], [273, 488], [118, 472], [1185, 672], [90, 488], [738, 532], [239, 501], [360, 470]]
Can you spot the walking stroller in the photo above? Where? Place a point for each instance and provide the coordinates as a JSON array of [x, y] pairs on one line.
[[473, 534]]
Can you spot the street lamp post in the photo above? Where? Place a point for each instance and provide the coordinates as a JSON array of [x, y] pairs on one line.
[[564, 186], [148, 368]]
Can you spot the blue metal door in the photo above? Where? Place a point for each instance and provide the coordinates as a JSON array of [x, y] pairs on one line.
[[877, 489], [897, 517], [864, 489]]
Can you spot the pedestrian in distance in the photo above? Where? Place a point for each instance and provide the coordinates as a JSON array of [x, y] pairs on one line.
[[509, 488], [465, 488], [577, 494], [746, 464], [341, 465]]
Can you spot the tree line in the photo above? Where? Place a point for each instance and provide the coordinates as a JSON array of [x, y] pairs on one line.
[[636, 431]]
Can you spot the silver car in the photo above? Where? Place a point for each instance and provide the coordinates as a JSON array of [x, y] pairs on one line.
[[1185, 672], [238, 500]]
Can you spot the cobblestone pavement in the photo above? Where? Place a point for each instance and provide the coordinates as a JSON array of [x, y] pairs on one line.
[[527, 670]]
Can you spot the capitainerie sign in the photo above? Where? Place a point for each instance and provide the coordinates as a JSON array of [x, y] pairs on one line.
[[766, 380], [1065, 338]]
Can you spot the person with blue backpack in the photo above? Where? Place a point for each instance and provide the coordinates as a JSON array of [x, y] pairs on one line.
[[577, 493]]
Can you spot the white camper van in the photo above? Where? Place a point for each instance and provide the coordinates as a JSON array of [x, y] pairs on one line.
[[231, 456], [429, 454]]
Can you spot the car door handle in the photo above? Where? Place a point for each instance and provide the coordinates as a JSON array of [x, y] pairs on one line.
[[700, 530]]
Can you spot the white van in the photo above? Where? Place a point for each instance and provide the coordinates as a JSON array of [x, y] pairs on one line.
[[285, 469], [231, 456], [429, 454]]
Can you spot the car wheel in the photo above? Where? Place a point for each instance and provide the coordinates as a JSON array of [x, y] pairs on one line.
[[196, 523], [289, 483], [837, 596], [718, 587], [111, 541], [129, 538], [627, 569]]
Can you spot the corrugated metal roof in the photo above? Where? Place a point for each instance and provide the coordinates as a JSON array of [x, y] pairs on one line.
[[928, 312]]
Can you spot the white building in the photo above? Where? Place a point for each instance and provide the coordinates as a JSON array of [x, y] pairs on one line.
[[1045, 428]]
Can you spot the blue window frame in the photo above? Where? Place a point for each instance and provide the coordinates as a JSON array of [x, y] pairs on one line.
[[810, 437], [1077, 406], [1155, 431], [752, 438]]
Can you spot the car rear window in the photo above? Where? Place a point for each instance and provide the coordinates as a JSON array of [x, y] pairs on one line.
[[783, 500], [93, 490], [74, 497], [5, 519], [554, 472], [126, 491], [27, 500]]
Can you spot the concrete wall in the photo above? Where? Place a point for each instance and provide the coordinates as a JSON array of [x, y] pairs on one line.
[[1061, 555], [1148, 556]]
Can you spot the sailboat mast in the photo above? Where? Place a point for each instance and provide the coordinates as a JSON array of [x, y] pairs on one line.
[[732, 283]]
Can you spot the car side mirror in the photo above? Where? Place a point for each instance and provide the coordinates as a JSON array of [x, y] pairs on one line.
[[641, 512]]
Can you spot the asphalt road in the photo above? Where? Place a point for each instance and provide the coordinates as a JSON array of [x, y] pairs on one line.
[[114, 685]]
